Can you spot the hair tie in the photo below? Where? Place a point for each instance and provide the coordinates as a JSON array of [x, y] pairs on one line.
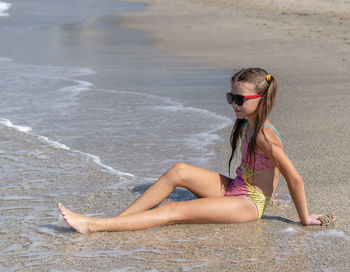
[[268, 78]]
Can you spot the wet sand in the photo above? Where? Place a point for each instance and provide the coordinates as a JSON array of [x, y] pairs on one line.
[[306, 49], [305, 44]]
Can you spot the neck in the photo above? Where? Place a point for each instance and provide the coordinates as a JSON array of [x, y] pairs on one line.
[[251, 123]]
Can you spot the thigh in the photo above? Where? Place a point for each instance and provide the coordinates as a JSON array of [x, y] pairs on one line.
[[228, 209], [202, 182]]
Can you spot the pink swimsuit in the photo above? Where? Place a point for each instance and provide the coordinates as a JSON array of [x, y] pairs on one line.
[[240, 185]]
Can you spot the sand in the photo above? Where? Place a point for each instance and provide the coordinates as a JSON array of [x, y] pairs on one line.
[[236, 33], [305, 45], [327, 220]]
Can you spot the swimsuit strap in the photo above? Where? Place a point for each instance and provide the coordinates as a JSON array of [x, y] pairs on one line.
[[274, 130], [245, 125], [244, 128], [245, 122]]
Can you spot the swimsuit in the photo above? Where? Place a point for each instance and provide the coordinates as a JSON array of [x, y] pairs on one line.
[[240, 185]]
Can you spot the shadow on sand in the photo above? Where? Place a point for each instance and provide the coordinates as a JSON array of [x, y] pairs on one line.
[[178, 194]]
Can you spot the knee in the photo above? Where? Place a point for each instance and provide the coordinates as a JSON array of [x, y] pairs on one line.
[[179, 172], [170, 212]]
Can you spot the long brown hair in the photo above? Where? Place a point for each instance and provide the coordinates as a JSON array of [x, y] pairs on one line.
[[263, 86]]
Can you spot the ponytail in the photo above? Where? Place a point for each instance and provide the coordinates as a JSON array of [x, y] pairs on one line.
[[266, 85]]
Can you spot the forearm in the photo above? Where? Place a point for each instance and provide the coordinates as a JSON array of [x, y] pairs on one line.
[[297, 192]]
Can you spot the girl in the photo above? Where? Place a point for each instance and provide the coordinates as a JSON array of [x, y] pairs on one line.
[[220, 198]]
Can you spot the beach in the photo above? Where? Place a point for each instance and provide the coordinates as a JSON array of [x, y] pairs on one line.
[[96, 112], [305, 44]]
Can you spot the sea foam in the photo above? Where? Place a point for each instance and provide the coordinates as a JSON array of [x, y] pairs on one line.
[[8, 123], [25, 129], [3, 8]]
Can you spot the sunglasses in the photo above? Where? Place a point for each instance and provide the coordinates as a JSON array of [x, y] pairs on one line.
[[239, 99]]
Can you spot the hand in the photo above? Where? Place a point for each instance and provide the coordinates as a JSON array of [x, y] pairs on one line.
[[312, 220]]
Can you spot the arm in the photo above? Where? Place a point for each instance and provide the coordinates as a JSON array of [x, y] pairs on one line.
[[294, 180], [295, 183]]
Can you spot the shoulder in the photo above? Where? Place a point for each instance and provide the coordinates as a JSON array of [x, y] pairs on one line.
[[270, 144], [268, 136]]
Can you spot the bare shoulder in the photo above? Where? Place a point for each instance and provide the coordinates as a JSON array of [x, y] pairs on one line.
[[267, 137]]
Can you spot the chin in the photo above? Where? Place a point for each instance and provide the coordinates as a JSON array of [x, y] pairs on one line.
[[240, 116]]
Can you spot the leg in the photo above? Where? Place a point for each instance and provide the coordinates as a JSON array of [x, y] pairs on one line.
[[204, 210], [201, 182]]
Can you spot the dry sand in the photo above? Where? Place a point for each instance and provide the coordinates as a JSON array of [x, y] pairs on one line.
[[239, 33]]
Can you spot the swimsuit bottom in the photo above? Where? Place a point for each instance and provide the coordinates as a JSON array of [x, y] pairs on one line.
[[239, 187]]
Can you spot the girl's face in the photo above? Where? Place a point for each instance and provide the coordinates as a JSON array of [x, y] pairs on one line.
[[248, 109]]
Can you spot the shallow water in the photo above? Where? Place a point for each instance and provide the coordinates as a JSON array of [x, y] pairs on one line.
[[91, 117]]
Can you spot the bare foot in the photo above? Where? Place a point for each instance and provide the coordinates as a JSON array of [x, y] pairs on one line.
[[78, 222]]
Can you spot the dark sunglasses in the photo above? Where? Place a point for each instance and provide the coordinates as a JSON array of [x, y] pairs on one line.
[[239, 99]]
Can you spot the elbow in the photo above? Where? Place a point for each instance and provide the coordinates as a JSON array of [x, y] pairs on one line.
[[296, 181]]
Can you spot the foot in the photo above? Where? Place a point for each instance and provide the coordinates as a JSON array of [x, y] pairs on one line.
[[78, 222]]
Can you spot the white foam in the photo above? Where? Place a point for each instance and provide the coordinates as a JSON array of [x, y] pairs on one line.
[[75, 90], [177, 106], [52, 143], [47, 72], [198, 140], [8, 123], [110, 169], [58, 145], [29, 76], [3, 8]]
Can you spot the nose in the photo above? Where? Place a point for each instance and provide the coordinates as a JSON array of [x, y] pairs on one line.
[[234, 106]]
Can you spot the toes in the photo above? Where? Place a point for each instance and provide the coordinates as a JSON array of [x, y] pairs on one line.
[[62, 209], [60, 206]]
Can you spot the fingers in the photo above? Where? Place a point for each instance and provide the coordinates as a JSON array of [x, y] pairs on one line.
[[323, 220], [315, 219], [317, 222]]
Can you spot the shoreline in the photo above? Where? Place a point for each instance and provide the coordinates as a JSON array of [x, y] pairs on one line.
[[191, 42]]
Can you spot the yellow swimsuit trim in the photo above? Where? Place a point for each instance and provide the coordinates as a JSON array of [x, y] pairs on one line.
[[259, 199]]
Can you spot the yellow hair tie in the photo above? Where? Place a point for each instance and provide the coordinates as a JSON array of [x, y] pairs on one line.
[[268, 78]]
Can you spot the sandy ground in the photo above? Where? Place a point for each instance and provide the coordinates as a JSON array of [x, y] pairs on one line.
[[305, 44], [239, 33]]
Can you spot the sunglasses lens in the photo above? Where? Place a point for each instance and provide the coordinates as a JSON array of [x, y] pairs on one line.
[[229, 97], [239, 99]]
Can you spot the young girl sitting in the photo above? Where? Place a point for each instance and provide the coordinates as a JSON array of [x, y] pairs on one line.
[[221, 199]]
